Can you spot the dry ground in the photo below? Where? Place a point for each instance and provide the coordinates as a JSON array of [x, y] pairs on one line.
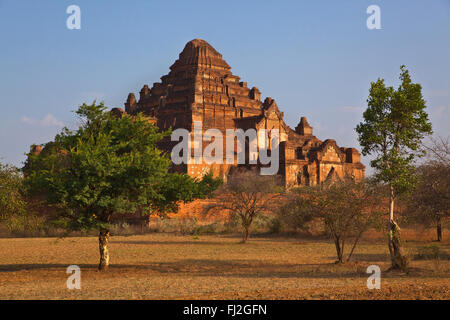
[[163, 266]]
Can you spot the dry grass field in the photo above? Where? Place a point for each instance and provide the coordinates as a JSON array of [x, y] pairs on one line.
[[165, 266]]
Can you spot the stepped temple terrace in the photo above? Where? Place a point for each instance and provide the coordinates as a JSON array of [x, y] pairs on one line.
[[201, 87]]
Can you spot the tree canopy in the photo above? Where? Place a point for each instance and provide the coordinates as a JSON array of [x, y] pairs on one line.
[[395, 123], [109, 165]]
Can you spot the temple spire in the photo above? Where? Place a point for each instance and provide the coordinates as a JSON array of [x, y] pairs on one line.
[[303, 127]]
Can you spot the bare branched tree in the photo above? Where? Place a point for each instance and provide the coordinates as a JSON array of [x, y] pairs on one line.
[[247, 194], [347, 209], [429, 203], [438, 149]]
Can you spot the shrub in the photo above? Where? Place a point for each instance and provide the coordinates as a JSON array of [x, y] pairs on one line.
[[431, 252]]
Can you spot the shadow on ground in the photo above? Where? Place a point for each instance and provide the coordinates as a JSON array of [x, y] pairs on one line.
[[226, 268]]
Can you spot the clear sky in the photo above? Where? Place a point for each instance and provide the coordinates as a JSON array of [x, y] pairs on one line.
[[316, 58]]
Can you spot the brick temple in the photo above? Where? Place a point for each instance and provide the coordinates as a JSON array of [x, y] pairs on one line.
[[201, 87]]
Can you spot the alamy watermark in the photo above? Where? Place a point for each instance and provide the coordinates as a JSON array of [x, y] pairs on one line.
[[374, 280], [374, 20], [74, 280], [262, 145], [74, 20]]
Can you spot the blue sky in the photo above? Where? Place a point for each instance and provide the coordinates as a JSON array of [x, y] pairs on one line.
[[316, 58]]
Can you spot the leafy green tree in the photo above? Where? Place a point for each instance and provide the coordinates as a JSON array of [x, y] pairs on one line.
[[395, 123], [12, 201], [110, 165]]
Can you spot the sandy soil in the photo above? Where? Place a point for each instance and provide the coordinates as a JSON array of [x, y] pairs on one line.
[[163, 266]]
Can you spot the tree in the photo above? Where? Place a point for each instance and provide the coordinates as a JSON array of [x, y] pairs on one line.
[[12, 201], [429, 203], [395, 122], [347, 209], [438, 150], [247, 195], [110, 165]]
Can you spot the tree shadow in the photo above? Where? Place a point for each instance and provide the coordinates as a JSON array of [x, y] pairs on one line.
[[35, 266], [370, 257], [237, 238], [222, 268], [181, 242]]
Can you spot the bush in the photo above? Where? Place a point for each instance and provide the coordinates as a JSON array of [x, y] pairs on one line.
[[191, 226], [185, 226], [126, 229], [213, 228], [12, 201], [275, 225], [29, 225], [431, 252]]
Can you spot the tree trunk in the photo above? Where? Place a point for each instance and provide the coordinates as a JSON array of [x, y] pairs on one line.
[[354, 246], [398, 260], [439, 230], [103, 239], [390, 219], [338, 250], [246, 235]]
